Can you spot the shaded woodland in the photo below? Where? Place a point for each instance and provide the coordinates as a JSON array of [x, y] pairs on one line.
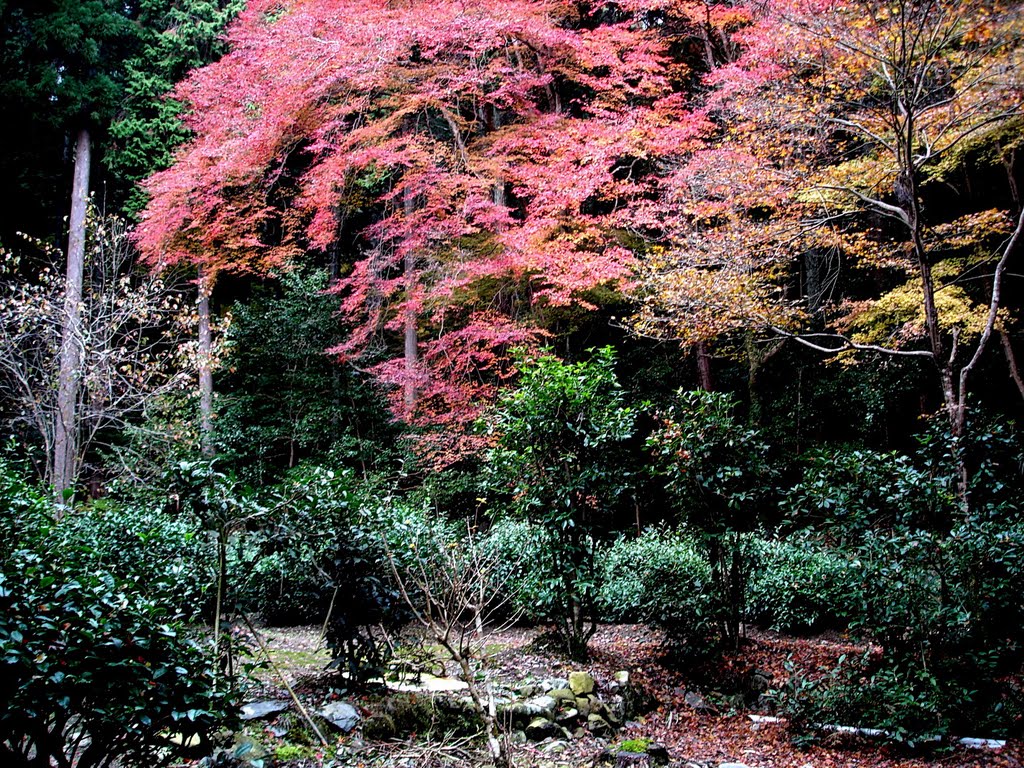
[[669, 346]]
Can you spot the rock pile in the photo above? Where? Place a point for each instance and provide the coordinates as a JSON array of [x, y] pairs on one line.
[[569, 707]]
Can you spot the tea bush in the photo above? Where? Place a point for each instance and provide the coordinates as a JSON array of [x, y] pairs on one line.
[[514, 546], [91, 671], [167, 555], [798, 586], [653, 576]]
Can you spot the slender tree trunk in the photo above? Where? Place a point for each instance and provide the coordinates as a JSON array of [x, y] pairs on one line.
[[1011, 360], [205, 367], [704, 380], [411, 347], [65, 442]]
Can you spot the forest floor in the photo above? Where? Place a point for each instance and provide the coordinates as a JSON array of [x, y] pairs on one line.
[[703, 737]]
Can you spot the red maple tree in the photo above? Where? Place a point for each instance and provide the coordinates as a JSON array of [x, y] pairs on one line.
[[470, 162]]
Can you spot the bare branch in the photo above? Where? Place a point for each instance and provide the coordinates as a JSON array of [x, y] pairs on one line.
[[848, 344]]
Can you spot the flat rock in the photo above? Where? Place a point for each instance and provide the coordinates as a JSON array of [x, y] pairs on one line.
[[581, 683], [567, 714], [542, 728], [543, 705], [427, 684], [261, 709], [554, 747], [341, 715], [598, 726], [563, 694]]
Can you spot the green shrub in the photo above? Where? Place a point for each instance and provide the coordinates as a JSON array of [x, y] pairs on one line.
[[845, 493], [91, 670], [939, 591], [514, 546], [561, 437], [651, 577], [799, 587], [167, 555], [718, 472], [907, 704], [665, 578], [26, 514], [319, 553]]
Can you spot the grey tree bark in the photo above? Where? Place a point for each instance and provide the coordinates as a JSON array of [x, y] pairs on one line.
[[205, 367], [65, 463]]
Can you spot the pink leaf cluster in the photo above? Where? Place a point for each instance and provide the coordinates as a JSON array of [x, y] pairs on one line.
[[496, 152]]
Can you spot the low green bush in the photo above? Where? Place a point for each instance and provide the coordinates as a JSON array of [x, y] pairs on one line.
[[798, 587], [934, 583], [653, 576], [514, 546], [665, 578], [92, 671], [167, 555], [26, 515]]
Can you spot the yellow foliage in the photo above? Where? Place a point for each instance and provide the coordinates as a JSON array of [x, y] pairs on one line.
[[897, 317]]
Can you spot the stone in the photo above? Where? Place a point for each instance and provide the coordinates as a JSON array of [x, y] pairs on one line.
[[598, 726], [562, 694], [581, 683], [554, 747], [616, 707], [529, 690], [522, 712], [341, 715], [583, 705], [733, 765], [621, 677], [566, 715], [260, 709], [631, 759], [554, 682], [379, 728], [544, 705], [541, 728], [658, 753], [696, 701]]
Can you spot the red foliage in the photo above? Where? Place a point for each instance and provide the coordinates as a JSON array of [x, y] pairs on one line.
[[504, 153]]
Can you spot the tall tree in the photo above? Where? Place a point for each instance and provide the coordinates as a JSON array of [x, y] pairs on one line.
[[177, 36], [63, 71], [922, 83], [474, 164], [65, 66], [843, 144]]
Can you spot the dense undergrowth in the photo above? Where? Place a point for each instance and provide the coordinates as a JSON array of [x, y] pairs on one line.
[[126, 588]]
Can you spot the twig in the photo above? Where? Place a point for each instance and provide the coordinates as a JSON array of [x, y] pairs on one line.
[[327, 618], [291, 691]]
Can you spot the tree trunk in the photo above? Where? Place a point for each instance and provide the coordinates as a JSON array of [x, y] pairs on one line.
[[411, 348], [704, 380], [65, 442], [205, 367]]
